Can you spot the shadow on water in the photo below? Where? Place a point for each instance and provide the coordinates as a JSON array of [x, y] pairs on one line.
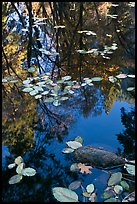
[[47, 36]]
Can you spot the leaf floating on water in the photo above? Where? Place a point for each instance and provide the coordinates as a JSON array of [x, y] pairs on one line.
[[65, 78], [130, 88], [121, 76], [90, 188], [118, 189], [74, 167], [131, 75], [125, 185], [112, 79], [67, 150], [86, 194], [28, 172], [4, 80], [34, 92], [20, 168], [79, 139], [49, 100], [108, 194], [92, 197], [31, 69], [10, 166], [18, 160], [15, 179], [130, 169], [74, 144], [97, 78], [64, 194], [56, 103], [27, 89], [26, 81], [59, 26], [45, 92], [115, 178], [64, 98], [83, 84], [111, 200], [74, 185], [38, 96], [84, 168], [14, 81]]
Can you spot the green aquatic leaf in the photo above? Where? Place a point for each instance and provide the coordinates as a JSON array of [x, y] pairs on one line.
[[125, 185], [31, 69], [64, 194], [107, 194], [27, 89], [74, 167], [56, 103], [4, 80], [45, 92], [64, 98], [130, 169], [41, 83], [20, 168], [65, 78], [131, 75], [38, 96], [112, 79], [28, 172], [49, 100], [34, 92], [67, 150], [79, 139], [90, 188], [74, 185], [71, 92], [130, 88], [86, 194], [83, 84], [15, 179], [111, 200], [10, 166], [115, 178], [118, 189], [38, 88], [74, 144], [18, 160], [14, 81], [96, 78], [26, 81], [121, 76]]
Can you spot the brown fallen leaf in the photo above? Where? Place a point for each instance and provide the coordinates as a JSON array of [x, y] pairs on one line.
[[83, 168]]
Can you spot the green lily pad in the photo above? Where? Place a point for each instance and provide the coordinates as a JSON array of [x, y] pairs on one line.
[[125, 185], [20, 168], [10, 166], [28, 172], [18, 160], [90, 188], [74, 167], [56, 103], [38, 96], [64, 194], [67, 150], [74, 144], [65, 78], [74, 185], [31, 69], [115, 178], [118, 189], [33, 93], [27, 89], [130, 169], [111, 200], [79, 139], [97, 78], [130, 88], [49, 100], [15, 179]]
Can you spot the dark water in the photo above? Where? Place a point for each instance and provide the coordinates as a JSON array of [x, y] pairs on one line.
[[103, 114]]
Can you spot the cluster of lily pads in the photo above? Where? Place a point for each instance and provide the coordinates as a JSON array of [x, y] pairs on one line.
[[20, 170], [116, 184]]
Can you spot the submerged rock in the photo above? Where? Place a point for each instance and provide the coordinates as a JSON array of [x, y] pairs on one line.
[[97, 157]]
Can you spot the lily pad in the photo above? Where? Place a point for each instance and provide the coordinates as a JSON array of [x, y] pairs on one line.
[[121, 76], [90, 188], [10, 166], [107, 194], [74, 185], [65, 78], [115, 178], [67, 150], [31, 69], [74, 167], [64, 194], [97, 78], [130, 88], [111, 200], [20, 168], [74, 144], [18, 160], [130, 169], [28, 172], [79, 139], [27, 89], [125, 185], [56, 103], [49, 100], [45, 92], [38, 96], [64, 98], [4, 80], [118, 189], [86, 194], [15, 179], [131, 75], [34, 92], [112, 79]]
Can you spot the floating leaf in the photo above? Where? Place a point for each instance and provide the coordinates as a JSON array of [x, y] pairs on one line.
[[125, 185], [79, 139], [90, 188], [83, 168], [115, 178], [74, 167], [118, 189], [31, 69], [121, 76], [18, 160], [4, 80], [14, 81], [38, 96], [111, 200], [28, 172], [64, 194], [49, 100], [60, 81], [76, 86], [45, 92], [92, 197], [10, 166], [131, 75], [130, 169], [26, 81], [71, 92], [38, 88], [15, 179], [97, 78], [65, 78], [41, 83], [107, 194], [27, 89], [74, 185], [67, 150], [34, 92], [130, 88], [83, 84], [74, 144], [56, 103], [112, 79], [64, 98], [86, 194], [20, 168], [59, 26]]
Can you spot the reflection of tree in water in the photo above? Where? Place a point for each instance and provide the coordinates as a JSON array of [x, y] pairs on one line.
[[127, 137]]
